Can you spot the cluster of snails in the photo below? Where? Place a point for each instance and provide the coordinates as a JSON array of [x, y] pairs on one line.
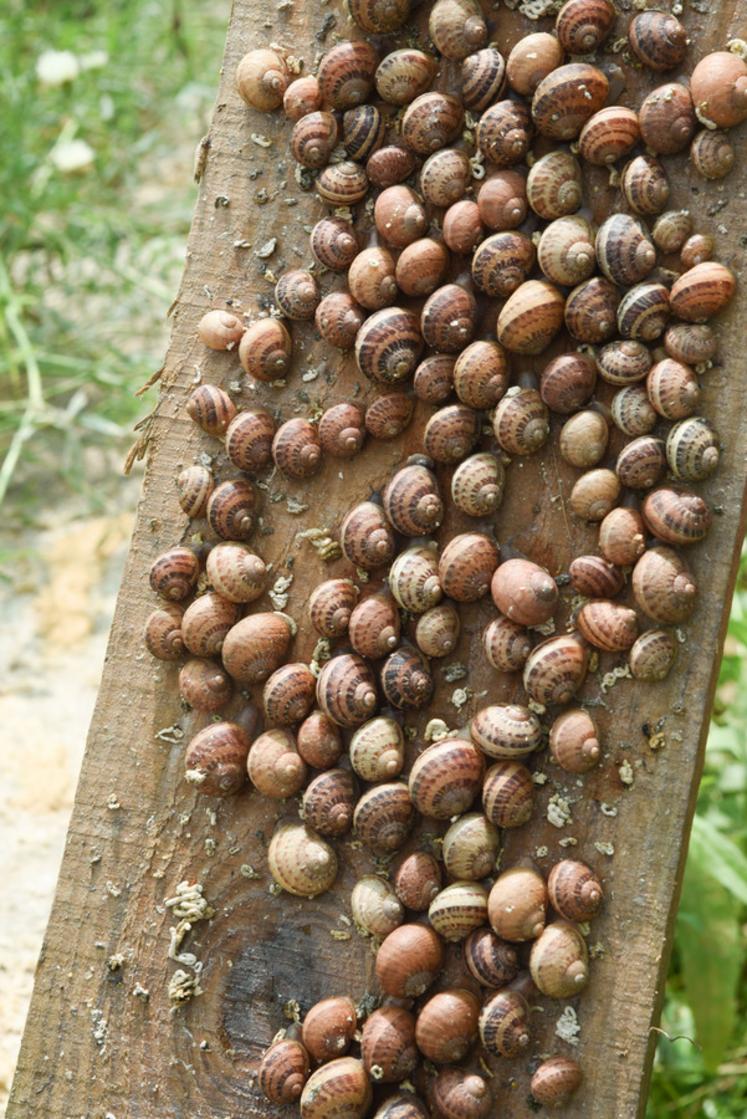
[[477, 260]]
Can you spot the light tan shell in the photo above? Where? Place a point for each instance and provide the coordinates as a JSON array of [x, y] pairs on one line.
[[574, 741], [235, 572], [554, 186], [447, 1025], [477, 484], [470, 847], [338, 1088], [377, 749], [275, 768], [556, 669], [206, 623], [566, 252], [256, 646], [517, 904], [300, 861], [506, 730], [530, 318], [437, 630], [559, 962], [414, 579], [375, 906], [458, 909]]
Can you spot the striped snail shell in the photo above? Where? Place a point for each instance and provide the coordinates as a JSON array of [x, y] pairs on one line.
[[504, 133], [672, 229], [412, 501], [365, 536], [556, 669], [447, 1025], [483, 78], [384, 816], [459, 1094], [574, 741], [297, 294], [380, 17], [502, 200], [421, 266], [283, 1071], [434, 378], [288, 694], [609, 135], [711, 154], [557, 1080], [414, 579], [375, 907], [341, 430], [506, 730], [583, 439], [342, 184], [594, 577], [504, 1024], [607, 625], [375, 625], [663, 587], [445, 779], [508, 794], [256, 646], [568, 381], [676, 516], [575, 891], [622, 536], [583, 25], [624, 362], [692, 343], [667, 119], [300, 861], [301, 97], [338, 318], [696, 249], [409, 960], [566, 98], [559, 961], [377, 749], [220, 330], [403, 75], [477, 485], [275, 768], [417, 880], [631, 411], [319, 741], [624, 251], [330, 606], [594, 494], [525, 592], [346, 690], [466, 566], [693, 449], [645, 185], [249, 439], [530, 318], [432, 121], [451, 433], [481, 374], [204, 685], [521, 421], [457, 27], [265, 350], [174, 574], [702, 291], [502, 262], [448, 318], [206, 622], [461, 227], [458, 909], [232, 509], [566, 252], [643, 312], [295, 448], [340, 1087], [405, 680], [262, 79], [437, 630], [211, 409], [531, 60], [333, 243], [194, 485], [590, 310], [215, 760], [388, 345], [329, 801], [517, 904], [491, 961], [313, 139], [554, 186], [673, 389], [235, 572], [388, 415], [346, 74], [162, 632], [363, 130], [371, 278], [652, 656], [445, 176], [506, 644], [329, 1027], [388, 1043], [657, 39]]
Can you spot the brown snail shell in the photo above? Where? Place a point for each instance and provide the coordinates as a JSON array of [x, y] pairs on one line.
[[301, 97], [691, 343], [313, 139], [389, 345], [399, 216], [517, 904], [194, 485], [333, 243], [211, 409], [566, 98], [667, 119], [432, 121], [388, 415], [457, 28], [235, 572], [508, 794], [388, 1044], [693, 449], [329, 801], [338, 318], [566, 251], [437, 630], [371, 278], [300, 861], [375, 906], [575, 891], [346, 690], [319, 741], [341, 430], [631, 411], [377, 749], [446, 778], [363, 130], [288, 694], [673, 389], [663, 587], [342, 184], [255, 647], [417, 880], [461, 227], [265, 350], [174, 574], [525, 592], [220, 330], [643, 312], [375, 625], [412, 501], [421, 266], [458, 909], [451, 433], [481, 373], [506, 730], [262, 79], [583, 25], [672, 229], [594, 577], [624, 251], [702, 291], [434, 378], [491, 961], [609, 135], [447, 1025], [558, 1079], [554, 185], [559, 961], [379, 16], [719, 89], [461, 1095], [607, 625], [163, 632], [295, 448], [504, 133], [530, 318], [574, 741], [215, 760], [206, 623], [590, 310], [470, 847], [676, 516], [652, 656], [330, 606], [483, 78], [594, 494], [297, 293], [504, 1024], [403, 75], [531, 60], [405, 679], [556, 669], [414, 579], [231, 509], [390, 165], [402, 1106], [657, 39], [502, 200], [448, 318], [346, 74], [466, 566], [624, 362], [328, 1028], [477, 485], [204, 685], [249, 439], [711, 154], [583, 439], [445, 176], [506, 644], [622, 536], [366, 538], [408, 961], [274, 766], [645, 185], [502, 263], [339, 1089], [283, 1071], [568, 381]]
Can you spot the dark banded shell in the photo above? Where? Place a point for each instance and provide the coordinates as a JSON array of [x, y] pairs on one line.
[[388, 345], [575, 891], [366, 538], [445, 176], [506, 644], [412, 501], [334, 243], [445, 779], [211, 409], [384, 816], [330, 606], [594, 577], [676, 516], [466, 566], [641, 463], [566, 98], [567, 382], [652, 655], [506, 730], [346, 74], [297, 294], [162, 632], [645, 185], [329, 801], [673, 389], [313, 139], [657, 39], [346, 690], [693, 449], [403, 75], [249, 439], [295, 448], [457, 27], [215, 760], [504, 133], [448, 319], [405, 679], [232, 510], [624, 362], [590, 310], [338, 319], [554, 187], [265, 350], [521, 422], [283, 1071], [609, 135], [607, 625], [194, 485], [624, 251], [379, 16], [663, 587], [556, 669], [502, 263], [643, 312], [206, 622], [363, 130], [491, 961], [434, 378], [583, 25], [508, 794], [388, 415], [504, 1024], [483, 78], [451, 433], [342, 184], [432, 121], [530, 318]]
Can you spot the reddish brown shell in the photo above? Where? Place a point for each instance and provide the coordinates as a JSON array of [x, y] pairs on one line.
[[346, 690], [297, 293], [235, 572], [338, 318], [204, 685], [448, 318], [341, 1085], [663, 587], [502, 262], [388, 345], [719, 89], [421, 266], [363, 131], [575, 891], [451, 433], [483, 78], [162, 632], [388, 415], [445, 176], [431, 122], [446, 778], [274, 766], [375, 625], [676, 516], [371, 278], [405, 679], [556, 1081], [702, 291], [504, 133], [524, 592], [530, 318], [232, 509], [502, 200], [346, 74], [249, 439], [409, 960], [384, 816], [622, 536], [434, 378], [329, 801], [566, 98], [215, 760], [319, 741], [412, 500], [206, 623], [531, 60], [211, 409], [301, 97], [590, 310], [283, 1071], [288, 694], [328, 1027], [657, 39], [256, 646], [556, 669], [366, 538], [330, 606], [594, 577], [466, 566], [583, 25], [492, 961], [447, 1025], [295, 448], [342, 184], [313, 139], [390, 165], [403, 75], [673, 389], [667, 119], [609, 135], [508, 794], [607, 625], [461, 227], [417, 880], [574, 741], [173, 574], [341, 430], [265, 350], [334, 243], [388, 1044], [568, 381], [379, 16]]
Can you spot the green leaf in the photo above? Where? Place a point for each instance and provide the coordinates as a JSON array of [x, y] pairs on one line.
[[711, 849]]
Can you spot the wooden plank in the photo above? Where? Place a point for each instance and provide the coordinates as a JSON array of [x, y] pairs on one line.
[[102, 1042]]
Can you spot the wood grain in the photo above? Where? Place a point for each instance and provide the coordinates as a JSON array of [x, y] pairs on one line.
[[96, 1045]]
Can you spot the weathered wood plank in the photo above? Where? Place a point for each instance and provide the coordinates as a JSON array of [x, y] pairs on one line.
[[95, 1044]]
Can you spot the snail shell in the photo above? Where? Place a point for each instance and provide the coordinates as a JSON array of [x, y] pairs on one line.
[[477, 484], [333, 243], [431, 122], [504, 1024], [405, 679], [163, 632], [652, 656], [346, 690], [408, 961], [319, 741], [531, 317], [446, 778], [283, 1071], [389, 345], [583, 25], [206, 623], [673, 389], [502, 200], [607, 625], [517, 904], [412, 501], [711, 154], [388, 1044], [676, 516], [249, 439], [663, 587], [340, 1089], [643, 312], [622, 536], [288, 694], [554, 186], [692, 343], [235, 572], [399, 216], [631, 411], [658, 40], [566, 98], [693, 449], [575, 891], [379, 16], [525, 592], [211, 409], [568, 381], [590, 310], [265, 350], [255, 647], [447, 1025], [366, 538], [434, 378], [461, 1095], [531, 60], [330, 606], [508, 794], [220, 330], [414, 579], [403, 75], [329, 801], [262, 79], [667, 119], [295, 448], [574, 741], [377, 749], [338, 318], [363, 130], [215, 760], [204, 685], [594, 577], [491, 961], [504, 133], [457, 28], [645, 185], [461, 227], [506, 731], [624, 362], [274, 766], [417, 880], [556, 669], [566, 251], [457, 910], [559, 961], [342, 184], [583, 439], [451, 433], [609, 135], [672, 229], [313, 139], [375, 907], [437, 630], [483, 78], [421, 266], [388, 415], [466, 566], [470, 847], [719, 89], [297, 293], [502, 263], [371, 278], [173, 574], [702, 291], [341, 430], [624, 251], [445, 176], [402, 1106], [447, 320], [375, 625], [194, 485], [328, 1027], [300, 861], [481, 374], [346, 74], [390, 165], [301, 97], [231, 509], [557, 1080], [506, 644], [594, 494]]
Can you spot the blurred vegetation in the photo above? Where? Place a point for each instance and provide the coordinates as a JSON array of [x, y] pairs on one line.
[[89, 262]]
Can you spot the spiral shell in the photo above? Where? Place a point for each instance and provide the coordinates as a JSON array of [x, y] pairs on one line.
[[719, 89], [624, 362], [481, 374], [517, 904], [288, 694], [594, 577], [524, 592], [445, 176], [566, 251], [645, 185], [594, 494], [658, 40], [504, 133], [448, 318], [466, 566], [255, 647], [283, 1071], [434, 378], [211, 409], [231, 509], [215, 760], [329, 801], [366, 538], [328, 1027], [338, 318], [194, 485], [530, 318], [399, 216], [300, 861], [235, 572], [652, 656], [556, 669], [421, 266], [341, 430], [388, 415], [405, 679], [491, 961], [313, 139], [531, 60], [575, 891], [346, 690], [173, 574], [477, 484], [506, 730], [508, 794], [559, 961], [401, 1106], [296, 292], [417, 880], [609, 135], [643, 312], [408, 961], [554, 185], [663, 587], [557, 1080], [711, 154], [403, 75], [502, 263], [275, 768], [412, 501], [342, 184], [461, 1095], [461, 227], [319, 741], [631, 411], [346, 74], [390, 165], [702, 291], [574, 741], [470, 847], [673, 389], [295, 448], [265, 350], [451, 433], [204, 685], [691, 343], [262, 79], [566, 98], [431, 122], [249, 439], [457, 27], [583, 25], [502, 200], [220, 330], [377, 749], [590, 310], [667, 119], [330, 606], [388, 345], [333, 243], [504, 1024], [483, 78], [568, 381], [624, 251], [206, 623], [375, 906], [621, 536], [693, 449], [163, 632], [446, 778], [414, 579], [506, 644], [388, 1044], [458, 909], [375, 625], [676, 516], [437, 630], [607, 625], [447, 1025], [583, 439], [363, 130], [339, 1089], [379, 16], [672, 229], [371, 278], [301, 97]]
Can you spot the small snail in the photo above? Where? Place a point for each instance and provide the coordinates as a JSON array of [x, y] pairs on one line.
[[502, 262], [384, 816], [504, 1024], [445, 779], [673, 389], [295, 448], [624, 251], [401, 1106], [346, 690], [663, 587], [622, 536], [232, 508], [421, 266], [173, 574], [297, 293], [262, 79], [506, 644], [333, 243], [530, 318], [554, 187], [215, 760], [319, 741], [461, 1095], [711, 154], [667, 119], [379, 16], [403, 75], [338, 1088], [341, 430], [366, 538], [283, 1071], [517, 904], [448, 318], [451, 433], [265, 350], [313, 139], [508, 794], [432, 121], [458, 909], [559, 961], [301, 97], [417, 880], [594, 577], [483, 78], [567, 382], [412, 501], [377, 749], [491, 961], [163, 632], [390, 165], [375, 906], [288, 694], [300, 861], [590, 310], [256, 646], [371, 278], [594, 494], [434, 378], [447, 1025], [363, 131], [375, 625], [645, 185], [328, 802], [632, 412], [556, 669], [388, 1044], [194, 485], [388, 415], [235, 572], [609, 135], [445, 176], [437, 630], [566, 252], [457, 27], [521, 421], [693, 449], [342, 184], [583, 439], [405, 679], [525, 592], [574, 741], [249, 439], [388, 345], [220, 330], [275, 768], [702, 291], [466, 566], [624, 362], [409, 960], [204, 685], [506, 730], [206, 623], [658, 40], [414, 579], [501, 201], [211, 409], [557, 1080], [330, 606], [575, 891], [462, 228], [328, 1028], [672, 229], [652, 656], [504, 133]]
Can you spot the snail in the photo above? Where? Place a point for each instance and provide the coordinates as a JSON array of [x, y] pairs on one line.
[[363, 131], [432, 121], [693, 449], [445, 176], [248, 439], [366, 538], [328, 1028], [232, 509], [338, 318], [719, 89], [404, 1105], [624, 362], [174, 574], [506, 644], [594, 494], [671, 230], [658, 40], [194, 485], [558, 1079], [255, 646], [566, 251], [389, 165], [204, 685], [667, 119], [622, 536], [313, 139], [295, 448], [262, 78], [521, 421], [375, 907], [275, 768], [506, 730], [342, 184], [211, 409], [283, 1071], [377, 749], [673, 389], [374, 626], [480, 374], [711, 154], [341, 430], [501, 201], [437, 630], [340, 1088], [379, 16], [371, 278], [524, 592], [556, 669], [388, 1044], [462, 227], [346, 690], [301, 97], [702, 291], [632, 412], [388, 415], [567, 382], [575, 891], [590, 310], [530, 318], [645, 185], [554, 187], [451, 433], [412, 501], [477, 484], [447, 1025], [504, 1024], [652, 656], [663, 587], [331, 604], [206, 624], [458, 909], [594, 577], [405, 679], [517, 904], [470, 847], [583, 439], [388, 345], [417, 880], [508, 794], [624, 251], [434, 378], [296, 292], [414, 579], [566, 98], [459, 1094], [558, 961], [409, 960], [491, 961], [504, 133], [457, 27], [466, 566], [235, 572], [319, 741], [583, 25], [265, 350], [163, 632], [403, 75], [532, 59], [383, 817], [346, 74], [609, 135], [300, 861], [483, 78], [333, 243], [574, 741], [421, 266], [446, 778], [448, 318], [328, 802], [220, 330], [215, 761], [502, 262]]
